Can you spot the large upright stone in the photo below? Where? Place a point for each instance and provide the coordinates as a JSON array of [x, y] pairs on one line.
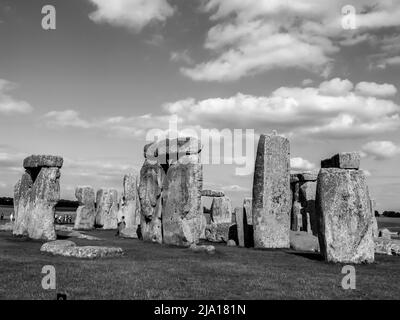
[[151, 180], [247, 210], [130, 204], [181, 214], [271, 193], [221, 210], [240, 226], [17, 196], [38, 194], [344, 216], [107, 209], [308, 191], [343, 160], [86, 211]]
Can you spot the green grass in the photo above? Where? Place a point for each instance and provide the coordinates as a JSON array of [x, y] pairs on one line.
[[151, 271]]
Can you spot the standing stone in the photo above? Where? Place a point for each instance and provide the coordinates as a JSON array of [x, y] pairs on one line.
[[181, 202], [130, 204], [17, 196], [86, 212], [375, 230], [151, 180], [247, 207], [107, 209], [37, 195], [221, 210], [271, 193], [248, 223], [308, 192], [240, 226], [344, 216]]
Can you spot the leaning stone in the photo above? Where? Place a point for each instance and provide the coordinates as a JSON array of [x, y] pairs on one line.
[[86, 212], [70, 249], [343, 160], [152, 177], [344, 215], [39, 161], [181, 202], [107, 209], [271, 193], [221, 210], [212, 193]]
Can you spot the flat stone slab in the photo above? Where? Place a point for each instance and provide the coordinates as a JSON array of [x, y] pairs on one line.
[[343, 160], [79, 235], [39, 161], [308, 176], [68, 248], [212, 193]]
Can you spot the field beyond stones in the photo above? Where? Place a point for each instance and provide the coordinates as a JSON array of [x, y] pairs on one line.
[[151, 271]]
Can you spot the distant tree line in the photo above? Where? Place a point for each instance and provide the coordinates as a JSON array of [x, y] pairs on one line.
[[5, 201], [391, 214]]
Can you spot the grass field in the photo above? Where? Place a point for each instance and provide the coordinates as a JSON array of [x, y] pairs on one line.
[[150, 271]]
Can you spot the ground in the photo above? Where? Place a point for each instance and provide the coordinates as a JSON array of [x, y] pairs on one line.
[[151, 271]]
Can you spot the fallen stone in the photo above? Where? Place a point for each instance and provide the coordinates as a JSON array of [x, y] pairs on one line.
[[39, 161], [231, 243], [344, 215], [387, 246], [76, 234], [212, 193], [68, 248], [202, 248], [86, 211], [63, 228], [303, 241], [6, 227], [181, 202], [107, 209], [343, 160], [271, 193]]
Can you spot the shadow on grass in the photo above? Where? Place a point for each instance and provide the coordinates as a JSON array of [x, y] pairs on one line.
[[315, 256]]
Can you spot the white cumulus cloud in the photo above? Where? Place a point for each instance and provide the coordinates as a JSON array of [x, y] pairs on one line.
[[381, 149], [9, 104]]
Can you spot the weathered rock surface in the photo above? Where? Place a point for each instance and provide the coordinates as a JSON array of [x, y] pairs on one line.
[[40, 161], [130, 204], [231, 243], [39, 192], [343, 160], [387, 246], [131, 233], [181, 209], [344, 216], [152, 176], [70, 249], [271, 193], [221, 210], [86, 212], [308, 191], [107, 209], [202, 248], [240, 226], [212, 193], [247, 210], [6, 227], [303, 241], [218, 232], [308, 176]]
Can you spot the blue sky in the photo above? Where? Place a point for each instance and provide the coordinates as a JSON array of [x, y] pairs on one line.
[[113, 70]]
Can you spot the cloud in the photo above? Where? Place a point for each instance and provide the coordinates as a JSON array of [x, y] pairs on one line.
[[381, 150], [331, 110], [182, 56], [300, 164], [235, 188], [10, 105], [375, 89], [131, 14], [307, 82], [66, 118]]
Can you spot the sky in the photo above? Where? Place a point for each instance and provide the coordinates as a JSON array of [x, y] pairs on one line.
[[110, 72]]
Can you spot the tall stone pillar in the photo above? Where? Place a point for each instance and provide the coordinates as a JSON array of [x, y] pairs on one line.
[[271, 193], [107, 209], [86, 212]]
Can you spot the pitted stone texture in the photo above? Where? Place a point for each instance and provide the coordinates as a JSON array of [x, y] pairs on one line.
[[86, 211], [39, 161], [221, 210], [387, 246], [212, 193], [308, 192], [344, 216], [240, 226], [308, 176], [107, 209], [343, 160], [152, 177], [218, 232], [130, 204], [181, 212], [17, 196], [271, 193], [70, 249], [36, 204]]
